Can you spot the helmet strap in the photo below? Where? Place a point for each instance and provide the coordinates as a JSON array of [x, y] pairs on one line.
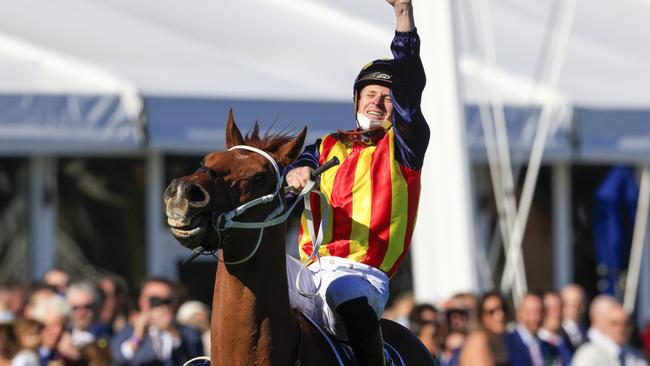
[[365, 123], [356, 102]]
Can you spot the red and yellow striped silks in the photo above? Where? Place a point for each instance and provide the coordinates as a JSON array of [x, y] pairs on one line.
[[373, 204]]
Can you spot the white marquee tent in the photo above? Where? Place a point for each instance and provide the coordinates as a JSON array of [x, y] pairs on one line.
[[296, 52]]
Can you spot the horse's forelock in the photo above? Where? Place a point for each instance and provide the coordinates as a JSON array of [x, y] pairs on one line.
[[270, 141]]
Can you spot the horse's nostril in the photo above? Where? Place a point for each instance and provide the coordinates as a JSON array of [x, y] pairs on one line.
[[195, 194], [169, 191]]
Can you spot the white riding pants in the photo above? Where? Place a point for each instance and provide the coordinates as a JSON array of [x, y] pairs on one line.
[[340, 280]]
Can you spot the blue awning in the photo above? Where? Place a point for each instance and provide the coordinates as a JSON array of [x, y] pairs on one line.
[[621, 135], [197, 125], [66, 124], [521, 125], [592, 135]]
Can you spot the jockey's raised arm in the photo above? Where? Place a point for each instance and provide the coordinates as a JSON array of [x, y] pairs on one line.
[[372, 195], [403, 15]]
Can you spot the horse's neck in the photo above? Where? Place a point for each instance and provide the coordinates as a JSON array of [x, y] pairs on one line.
[[252, 322]]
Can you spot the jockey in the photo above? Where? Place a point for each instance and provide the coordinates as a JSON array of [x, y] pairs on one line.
[[372, 195]]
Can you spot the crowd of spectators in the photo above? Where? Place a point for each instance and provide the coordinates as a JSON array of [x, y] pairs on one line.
[[545, 329], [58, 322], [97, 322]]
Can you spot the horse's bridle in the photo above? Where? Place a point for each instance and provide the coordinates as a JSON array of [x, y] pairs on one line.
[[224, 221]]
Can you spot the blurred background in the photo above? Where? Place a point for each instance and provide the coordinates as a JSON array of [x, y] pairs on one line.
[[536, 176]]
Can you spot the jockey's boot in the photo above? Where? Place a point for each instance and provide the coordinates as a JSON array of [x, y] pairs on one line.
[[364, 332]]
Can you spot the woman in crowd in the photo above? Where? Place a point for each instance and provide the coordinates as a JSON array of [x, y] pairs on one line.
[[95, 354], [485, 346], [8, 344], [424, 323], [28, 335]]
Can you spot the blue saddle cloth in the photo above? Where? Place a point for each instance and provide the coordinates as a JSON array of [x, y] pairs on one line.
[[344, 353], [346, 357], [341, 349], [391, 355]]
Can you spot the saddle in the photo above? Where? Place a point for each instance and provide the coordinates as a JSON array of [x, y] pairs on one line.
[[341, 349]]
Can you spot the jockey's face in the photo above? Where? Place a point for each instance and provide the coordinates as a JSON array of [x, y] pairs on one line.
[[375, 103]]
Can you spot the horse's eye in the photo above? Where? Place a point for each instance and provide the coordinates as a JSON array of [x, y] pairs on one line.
[[259, 180], [213, 176]]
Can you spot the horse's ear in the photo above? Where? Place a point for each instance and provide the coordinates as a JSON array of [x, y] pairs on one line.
[[288, 152], [233, 136]]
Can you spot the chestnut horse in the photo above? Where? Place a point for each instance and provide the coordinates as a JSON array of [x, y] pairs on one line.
[[252, 320]]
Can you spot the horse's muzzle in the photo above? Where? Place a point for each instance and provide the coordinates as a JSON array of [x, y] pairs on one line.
[[187, 209]]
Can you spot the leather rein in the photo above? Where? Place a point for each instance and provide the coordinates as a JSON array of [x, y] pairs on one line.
[[222, 222]]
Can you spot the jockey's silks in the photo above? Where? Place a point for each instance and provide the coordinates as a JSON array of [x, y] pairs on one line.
[[373, 194], [374, 201]]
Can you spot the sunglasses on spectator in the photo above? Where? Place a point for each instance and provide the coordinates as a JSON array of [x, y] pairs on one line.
[[457, 312], [84, 306], [493, 311], [155, 301]]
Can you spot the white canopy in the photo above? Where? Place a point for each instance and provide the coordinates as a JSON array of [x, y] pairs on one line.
[[298, 51], [606, 61], [311, 49]]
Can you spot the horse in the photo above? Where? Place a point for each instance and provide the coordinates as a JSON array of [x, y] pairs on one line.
[[253, 322]]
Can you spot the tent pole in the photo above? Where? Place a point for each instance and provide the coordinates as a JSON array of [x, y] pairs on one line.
[[643, 297], [43, 213], [638, 238], [493, 117], [562, 208], [445, 216], [539, 143], [504, 210], [159, 261]]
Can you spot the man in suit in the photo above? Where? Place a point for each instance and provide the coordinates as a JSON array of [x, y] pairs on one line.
[[551, 330], [601, 305], [53, 312], [522, 344], [84, 300], [155, 339], [607, 344], [574, 306]]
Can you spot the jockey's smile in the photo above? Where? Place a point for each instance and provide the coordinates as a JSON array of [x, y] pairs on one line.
[[375, 106]]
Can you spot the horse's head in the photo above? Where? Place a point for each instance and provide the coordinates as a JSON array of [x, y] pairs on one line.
[[225, 181]]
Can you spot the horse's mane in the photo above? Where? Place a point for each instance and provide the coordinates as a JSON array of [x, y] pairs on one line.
[[269, 141]]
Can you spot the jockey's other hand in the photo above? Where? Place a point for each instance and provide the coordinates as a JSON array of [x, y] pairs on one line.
[[298, 178]]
